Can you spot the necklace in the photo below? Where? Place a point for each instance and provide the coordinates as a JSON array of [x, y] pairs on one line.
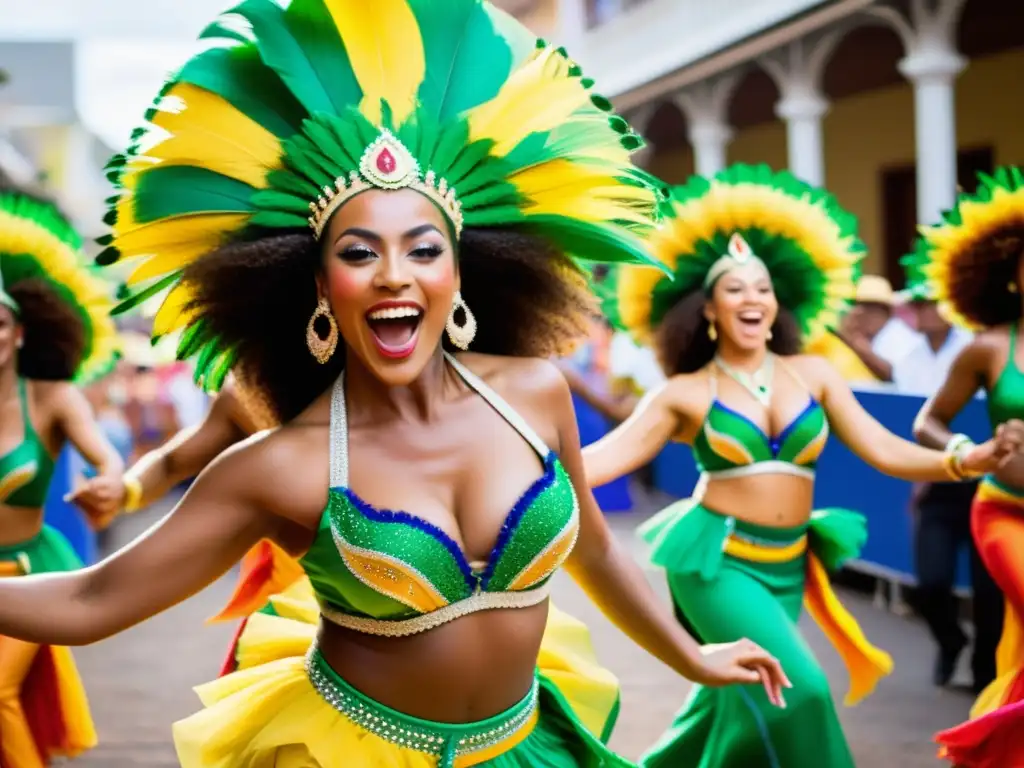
[[758, 383]]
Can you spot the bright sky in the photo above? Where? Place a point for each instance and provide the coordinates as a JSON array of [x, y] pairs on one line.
[[124, 48]]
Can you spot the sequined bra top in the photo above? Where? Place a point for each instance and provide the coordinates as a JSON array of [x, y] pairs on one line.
[[25, 471], [392, 573], [1005, 400], [729, 444]]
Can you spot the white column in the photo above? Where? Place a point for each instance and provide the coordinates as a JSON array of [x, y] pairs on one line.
[[710, 139], [931, 64], [933, 73], [805, 143], [706, 106], [797, 72]]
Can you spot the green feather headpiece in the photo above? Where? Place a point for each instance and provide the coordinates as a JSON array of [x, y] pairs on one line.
[[301, 104], [37, 242], [806, 241]]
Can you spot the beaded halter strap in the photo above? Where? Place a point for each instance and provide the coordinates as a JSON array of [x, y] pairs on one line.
[[339, 420]]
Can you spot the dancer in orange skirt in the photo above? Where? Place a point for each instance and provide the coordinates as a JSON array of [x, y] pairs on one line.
[[972, 264], [55, 332]]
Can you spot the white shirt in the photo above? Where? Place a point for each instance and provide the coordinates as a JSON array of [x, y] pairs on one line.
[[627, 360], [894, 340], [921, 371]]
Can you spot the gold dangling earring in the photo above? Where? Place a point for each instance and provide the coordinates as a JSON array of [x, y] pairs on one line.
[[461, 335], [322, 349], [712, 332], [1011, 287]]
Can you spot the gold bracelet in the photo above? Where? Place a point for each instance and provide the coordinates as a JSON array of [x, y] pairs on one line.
[[132, 493], [950, 464]]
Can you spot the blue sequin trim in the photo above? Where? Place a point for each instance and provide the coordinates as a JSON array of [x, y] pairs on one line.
[[512, 520], [515, 516], [371, 512], [774, 442]]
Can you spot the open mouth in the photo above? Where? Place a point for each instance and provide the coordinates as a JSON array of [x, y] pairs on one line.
[[395, 328], [751, 319]]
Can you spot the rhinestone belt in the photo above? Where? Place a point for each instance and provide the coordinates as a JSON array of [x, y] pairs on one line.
[[441, 740]]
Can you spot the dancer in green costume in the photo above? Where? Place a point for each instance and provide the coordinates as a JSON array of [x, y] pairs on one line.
[[762, 263]]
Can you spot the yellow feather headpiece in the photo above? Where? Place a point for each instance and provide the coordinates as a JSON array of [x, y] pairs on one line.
[[37, 242], [302, 104]]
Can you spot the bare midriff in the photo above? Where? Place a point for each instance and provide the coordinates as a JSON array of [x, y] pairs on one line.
[[774, 500], [467, 670]]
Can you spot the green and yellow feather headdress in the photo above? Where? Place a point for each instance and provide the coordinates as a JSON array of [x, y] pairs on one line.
[[968, 262], [806, 241], [36, 241], [300, 105]]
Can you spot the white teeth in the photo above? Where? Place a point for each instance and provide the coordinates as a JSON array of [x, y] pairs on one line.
[[393, 313]]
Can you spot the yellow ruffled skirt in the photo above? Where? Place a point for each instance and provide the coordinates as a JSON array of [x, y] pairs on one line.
[[269, 713]]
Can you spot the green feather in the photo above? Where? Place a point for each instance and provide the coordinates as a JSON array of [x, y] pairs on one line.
[[467, 60], [302, 46], [590, 241], [240, 77], [279, 220], [144, 295], [452, 141], [469, 161], [177, 190], [272, 200]]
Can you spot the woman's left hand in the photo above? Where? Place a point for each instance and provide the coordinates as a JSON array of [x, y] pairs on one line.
[[743, 662], [100, 498], [995, 453]]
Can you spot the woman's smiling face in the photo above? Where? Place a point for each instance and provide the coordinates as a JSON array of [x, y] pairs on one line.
[[390, 275]]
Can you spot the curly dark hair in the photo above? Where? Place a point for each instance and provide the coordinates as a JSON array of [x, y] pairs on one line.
[[54, 332], [256, 296], [683, 345], [979, 286]]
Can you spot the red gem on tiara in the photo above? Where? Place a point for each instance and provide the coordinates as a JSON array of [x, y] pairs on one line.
[[386, 162]]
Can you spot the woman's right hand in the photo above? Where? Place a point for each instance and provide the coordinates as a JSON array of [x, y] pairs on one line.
[[742, 662]]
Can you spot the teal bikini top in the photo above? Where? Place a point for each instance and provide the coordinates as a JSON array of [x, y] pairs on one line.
[[26, 470], [1006, 399], [731, 445], [392, 573]]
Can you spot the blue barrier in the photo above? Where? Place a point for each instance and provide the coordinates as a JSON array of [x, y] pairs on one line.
[[615, 496], [843, 480], [65, 517]]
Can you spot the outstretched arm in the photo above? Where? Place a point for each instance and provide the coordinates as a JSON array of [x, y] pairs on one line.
[[183, 456], [613, 580], [219, 519], [890, 453], [966, 375], [636, 441]]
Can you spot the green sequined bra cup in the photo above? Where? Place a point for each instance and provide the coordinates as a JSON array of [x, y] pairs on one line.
[[730, 444], [392, 573], [26, 470]]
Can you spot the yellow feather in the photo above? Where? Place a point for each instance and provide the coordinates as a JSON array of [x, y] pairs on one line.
[[208, 132], [538, 97], [175, 242], [385, 48], [566, 188], [172, 315]]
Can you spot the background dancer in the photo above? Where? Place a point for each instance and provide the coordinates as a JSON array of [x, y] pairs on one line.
[[760, 259], [972, 263], [55, 333]]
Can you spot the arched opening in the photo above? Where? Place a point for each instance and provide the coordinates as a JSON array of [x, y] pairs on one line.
[[671, 157]]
